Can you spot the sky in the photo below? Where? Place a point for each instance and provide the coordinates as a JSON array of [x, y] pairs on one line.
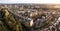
[[31, 1]]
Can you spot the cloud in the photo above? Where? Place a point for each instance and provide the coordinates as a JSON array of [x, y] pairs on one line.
[[30, 1]]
